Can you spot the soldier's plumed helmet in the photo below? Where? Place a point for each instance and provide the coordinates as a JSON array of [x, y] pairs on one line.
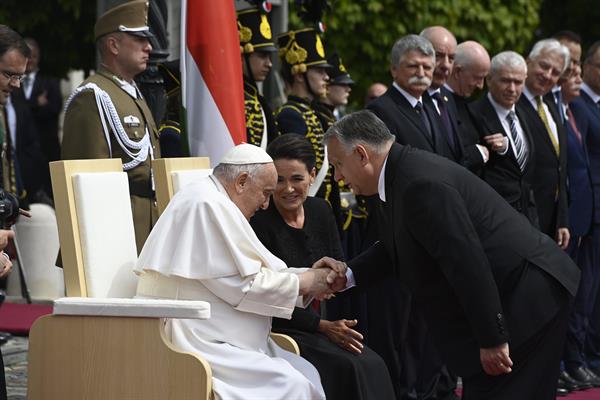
[[255, 31], [301, 49]]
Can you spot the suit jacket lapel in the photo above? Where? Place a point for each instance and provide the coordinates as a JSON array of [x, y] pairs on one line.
[[406, 109], [533, 117], [494, 125]]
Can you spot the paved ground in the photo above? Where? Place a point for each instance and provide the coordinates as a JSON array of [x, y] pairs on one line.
[[14, 353]]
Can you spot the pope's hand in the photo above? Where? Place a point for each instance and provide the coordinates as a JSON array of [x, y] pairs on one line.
[[313, 283]]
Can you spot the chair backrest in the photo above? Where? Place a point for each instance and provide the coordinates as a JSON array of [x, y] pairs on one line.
[[95, 226], [171, 174], [36, 239]]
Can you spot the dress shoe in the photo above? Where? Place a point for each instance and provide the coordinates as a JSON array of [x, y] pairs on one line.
[[571, 384], [561, 392], [580, 374], [569, 387]]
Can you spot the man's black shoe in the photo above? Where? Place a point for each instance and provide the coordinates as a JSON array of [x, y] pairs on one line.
[[569, 387], [571, 384], [581, 375], [561, 392]]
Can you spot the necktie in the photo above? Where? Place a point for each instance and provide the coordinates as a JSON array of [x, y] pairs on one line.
[[445, 119], [558, 100], [419, 109], [519, 142], [574, 126], [544, 118]]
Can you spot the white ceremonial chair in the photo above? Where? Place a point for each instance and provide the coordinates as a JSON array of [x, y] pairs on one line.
[[100, 343], [170, 175]]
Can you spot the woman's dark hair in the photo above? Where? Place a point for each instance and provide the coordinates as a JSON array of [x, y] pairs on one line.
[[292, 146]]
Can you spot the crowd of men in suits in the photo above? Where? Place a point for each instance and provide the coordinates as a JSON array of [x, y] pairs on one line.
[[533, 136]]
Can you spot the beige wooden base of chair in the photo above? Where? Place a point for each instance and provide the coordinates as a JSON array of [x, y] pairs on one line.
[[100, 358]]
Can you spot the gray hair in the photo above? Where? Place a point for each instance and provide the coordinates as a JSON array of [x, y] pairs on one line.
[[507, 59], [553, 46], [361, 127], [227, 173], [411, 43]]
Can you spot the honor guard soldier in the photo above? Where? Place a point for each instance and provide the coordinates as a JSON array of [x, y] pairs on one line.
[[257, 46], [305, 71], [338, 90], [107, 117]]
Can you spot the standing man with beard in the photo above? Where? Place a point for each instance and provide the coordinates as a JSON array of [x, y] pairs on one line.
[[107, 117], [256, 44]]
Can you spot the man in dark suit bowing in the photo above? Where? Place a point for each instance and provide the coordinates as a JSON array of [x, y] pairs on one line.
[[494, 290], [504, 130], [545, 64], [402, 107], [414, 363]]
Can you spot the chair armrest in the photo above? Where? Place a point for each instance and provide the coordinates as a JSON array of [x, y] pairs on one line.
[[146, 308], [286, 342]]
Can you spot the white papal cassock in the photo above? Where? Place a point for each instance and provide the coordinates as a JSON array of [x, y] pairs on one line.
[[203, 248]]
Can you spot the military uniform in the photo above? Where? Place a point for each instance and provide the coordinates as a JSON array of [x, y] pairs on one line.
[[298, 51], [255, 35], [107, 117]]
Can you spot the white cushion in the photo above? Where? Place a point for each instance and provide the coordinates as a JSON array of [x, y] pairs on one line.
[[36, 239], [106, 233], [116, 307], [185, 177]]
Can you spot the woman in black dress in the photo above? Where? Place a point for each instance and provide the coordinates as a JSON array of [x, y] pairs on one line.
[[300, 230]]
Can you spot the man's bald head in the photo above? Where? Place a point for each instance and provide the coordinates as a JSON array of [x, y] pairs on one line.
[[471, 66], [444, 44]]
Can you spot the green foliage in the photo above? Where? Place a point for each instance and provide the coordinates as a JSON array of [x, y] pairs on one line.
[[64, 30], [363, 31]]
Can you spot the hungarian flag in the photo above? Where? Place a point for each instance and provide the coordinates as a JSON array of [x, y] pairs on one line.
[[211, 78]]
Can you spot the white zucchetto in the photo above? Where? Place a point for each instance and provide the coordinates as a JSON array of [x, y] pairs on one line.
[[245, 153]]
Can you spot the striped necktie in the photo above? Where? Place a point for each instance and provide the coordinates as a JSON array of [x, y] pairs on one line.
[[519, 142], [544, 118]]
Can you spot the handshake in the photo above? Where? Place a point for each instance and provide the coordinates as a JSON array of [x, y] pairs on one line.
[[326, 277]]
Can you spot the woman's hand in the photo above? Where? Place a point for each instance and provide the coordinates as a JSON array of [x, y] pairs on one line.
[[341, 333]]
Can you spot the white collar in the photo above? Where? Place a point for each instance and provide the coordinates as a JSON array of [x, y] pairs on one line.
[[500, 110], [529, 96], [381, 181], [448, 88], [411, 99], [433, 91], [590, 92]]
